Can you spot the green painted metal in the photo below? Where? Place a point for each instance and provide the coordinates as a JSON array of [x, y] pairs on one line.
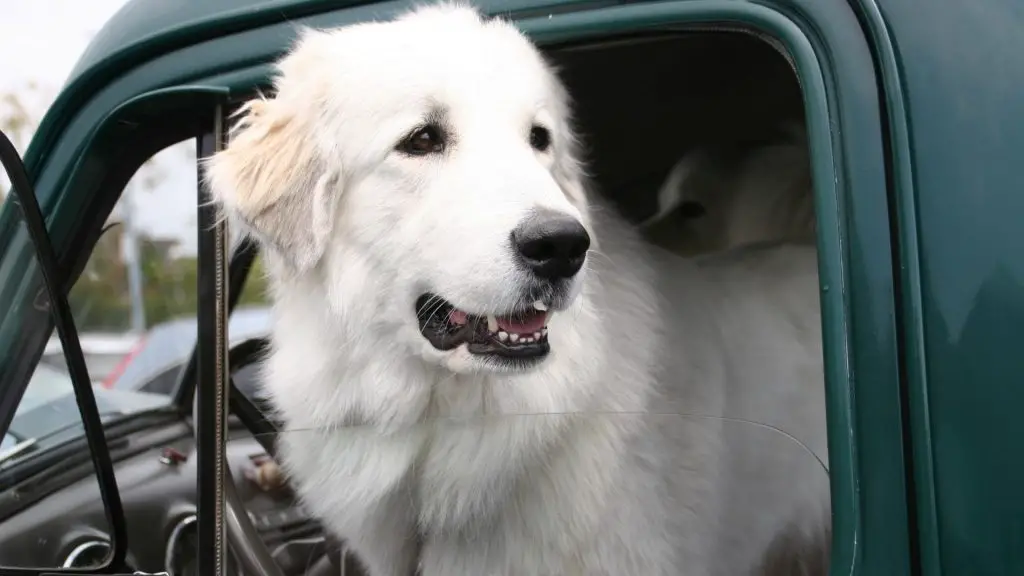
[[915, 125], [961, 204]]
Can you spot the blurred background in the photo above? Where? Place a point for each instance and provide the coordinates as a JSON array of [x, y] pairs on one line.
[[141, 278]]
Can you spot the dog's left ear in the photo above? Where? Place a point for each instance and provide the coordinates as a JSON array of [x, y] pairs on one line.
[[273, 181], [273, 178]]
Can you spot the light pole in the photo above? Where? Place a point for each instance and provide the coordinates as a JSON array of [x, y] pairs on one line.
[[132, 260]]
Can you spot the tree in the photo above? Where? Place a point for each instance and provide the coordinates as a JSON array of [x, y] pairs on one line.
[[18, 123], [100, 300], [254, 293]]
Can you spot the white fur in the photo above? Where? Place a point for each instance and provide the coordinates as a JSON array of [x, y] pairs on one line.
[[767, 197], [601, 460]]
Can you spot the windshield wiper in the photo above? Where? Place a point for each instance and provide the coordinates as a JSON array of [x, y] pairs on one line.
[[14, 451], [28, 446]]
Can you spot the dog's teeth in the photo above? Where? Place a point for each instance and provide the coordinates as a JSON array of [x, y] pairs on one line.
[[540, 306], [513, 337], [536, 335], [492, 323], [502, 336], [543, 331], [528, 340]]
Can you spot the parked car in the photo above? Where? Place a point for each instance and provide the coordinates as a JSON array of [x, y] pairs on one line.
[[103, 353], [155, 363]]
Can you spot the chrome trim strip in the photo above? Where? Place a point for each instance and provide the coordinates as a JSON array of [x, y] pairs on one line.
[[69, 561], [172, 540]]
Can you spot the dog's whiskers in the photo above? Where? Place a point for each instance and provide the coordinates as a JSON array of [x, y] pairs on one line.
[[433, 300], [437, 302], [596, 252]]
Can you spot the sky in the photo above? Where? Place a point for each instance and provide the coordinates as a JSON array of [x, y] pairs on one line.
[[40, 44]]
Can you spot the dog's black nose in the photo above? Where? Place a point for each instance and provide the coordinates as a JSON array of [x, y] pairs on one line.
[[551, 244]]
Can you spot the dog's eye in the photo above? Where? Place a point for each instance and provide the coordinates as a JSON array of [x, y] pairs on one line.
[[426, 140], [540, 138], [692, 210]]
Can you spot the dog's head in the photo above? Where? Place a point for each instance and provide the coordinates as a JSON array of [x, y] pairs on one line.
[[421, 173]]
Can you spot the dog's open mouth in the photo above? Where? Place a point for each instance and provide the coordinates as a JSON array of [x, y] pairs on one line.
[[520, 334]]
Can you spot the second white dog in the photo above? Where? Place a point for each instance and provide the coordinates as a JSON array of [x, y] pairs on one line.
[[766, 196]]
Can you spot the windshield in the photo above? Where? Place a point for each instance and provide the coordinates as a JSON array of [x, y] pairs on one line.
[[48, 413], [140, 276], [47, 384]]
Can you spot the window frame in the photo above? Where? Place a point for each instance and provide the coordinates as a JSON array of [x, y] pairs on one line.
[[846, 129], [867, 440]]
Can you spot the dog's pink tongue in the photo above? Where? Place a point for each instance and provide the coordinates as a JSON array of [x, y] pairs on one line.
[[522, 325]]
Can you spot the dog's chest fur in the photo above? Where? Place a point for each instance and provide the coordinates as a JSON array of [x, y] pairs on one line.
[[479, 475], [493, 474], [521, 494]]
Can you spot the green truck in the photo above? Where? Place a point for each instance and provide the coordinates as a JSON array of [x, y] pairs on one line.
[[915, 120]]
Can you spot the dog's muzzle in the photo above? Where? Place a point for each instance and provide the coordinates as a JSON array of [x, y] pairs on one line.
[[520, 335]]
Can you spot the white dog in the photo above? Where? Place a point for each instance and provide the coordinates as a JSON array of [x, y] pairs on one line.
[[484, 373], [764, 197]]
